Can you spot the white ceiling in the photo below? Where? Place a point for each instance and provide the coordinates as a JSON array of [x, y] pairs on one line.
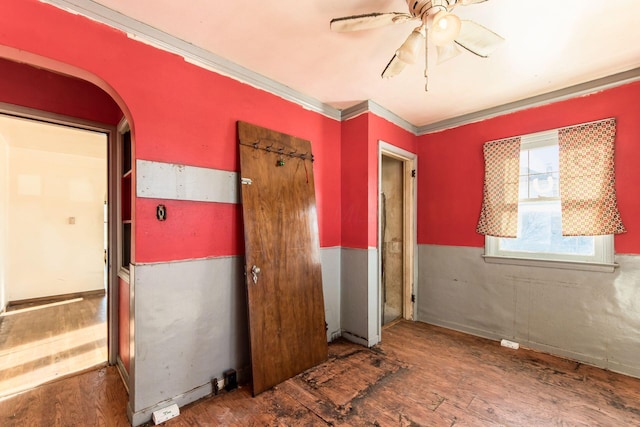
[[550, 45]]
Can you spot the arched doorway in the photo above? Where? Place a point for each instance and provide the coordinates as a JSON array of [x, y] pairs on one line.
[[47, 97]]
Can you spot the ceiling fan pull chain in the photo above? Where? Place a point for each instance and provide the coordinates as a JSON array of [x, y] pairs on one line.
[[426, 61]]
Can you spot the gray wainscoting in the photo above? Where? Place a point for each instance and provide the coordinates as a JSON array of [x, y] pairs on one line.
[[360, 296], [591, 317], [190, 325]]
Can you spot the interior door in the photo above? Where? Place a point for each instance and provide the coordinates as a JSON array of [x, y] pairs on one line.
[[282, 256]]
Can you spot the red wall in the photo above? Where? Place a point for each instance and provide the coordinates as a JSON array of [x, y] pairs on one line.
[[179, 113], [32, 87], [360, 141], [452, 167], [382, 130], [355, 182]]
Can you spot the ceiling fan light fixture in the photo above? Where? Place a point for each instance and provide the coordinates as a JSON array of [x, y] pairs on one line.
[[445, 27], [447, 52], [408, 52]]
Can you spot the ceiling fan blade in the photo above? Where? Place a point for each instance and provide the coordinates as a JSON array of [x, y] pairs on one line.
[[447, 52], [468, 2], [393, 68], [368, 21], [478, 39]]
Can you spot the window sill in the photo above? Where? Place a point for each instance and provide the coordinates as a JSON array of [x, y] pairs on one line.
[[565, 265]]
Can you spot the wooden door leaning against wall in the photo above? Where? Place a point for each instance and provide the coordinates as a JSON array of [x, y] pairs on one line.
[[282, 255]]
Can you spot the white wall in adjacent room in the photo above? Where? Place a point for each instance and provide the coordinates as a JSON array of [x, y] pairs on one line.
[[4, 206], [56, 185]]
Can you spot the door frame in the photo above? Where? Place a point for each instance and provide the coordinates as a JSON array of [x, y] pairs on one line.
[[410, 244], [113, 204]]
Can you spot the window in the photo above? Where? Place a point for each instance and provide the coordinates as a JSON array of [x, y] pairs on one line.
[[539, 238]]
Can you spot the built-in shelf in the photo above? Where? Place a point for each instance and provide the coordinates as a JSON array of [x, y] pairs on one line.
[[125, 199]]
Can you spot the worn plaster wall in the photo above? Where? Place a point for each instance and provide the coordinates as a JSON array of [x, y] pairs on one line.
[[360, 286], [588, 316], [181, 115]]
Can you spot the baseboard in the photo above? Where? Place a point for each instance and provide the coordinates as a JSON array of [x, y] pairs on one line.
[[535, 346], [123, 373], [355, 338], [462, 328], [57, 298], [335, 335], [144, 415]]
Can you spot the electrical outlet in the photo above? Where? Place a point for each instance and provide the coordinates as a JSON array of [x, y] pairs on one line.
[[165, 414], [510, 344], [230, 379], [217, 385]]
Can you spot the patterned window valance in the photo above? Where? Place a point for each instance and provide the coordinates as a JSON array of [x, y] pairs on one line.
[[587, 180], [587, 183], [499, 215]]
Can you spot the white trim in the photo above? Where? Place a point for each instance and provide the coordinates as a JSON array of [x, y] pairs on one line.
[[572, 355], [144, 415], [374, 108], [192, 54], [170, 181], [549, 263], [208, 60], [397, 152], [581, 89], [556, 351], [112, 186], [603, 253], [603, 256], [123, 274], [410, 162], [124, 375], [59, 119], [539, 140], [355, 338]]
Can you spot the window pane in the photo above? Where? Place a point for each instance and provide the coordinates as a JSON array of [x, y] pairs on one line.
[[539, 173], [540, 230], [544, 159], [544, 185]]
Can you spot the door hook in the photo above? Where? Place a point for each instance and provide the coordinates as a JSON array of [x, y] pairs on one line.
[[255, 270]]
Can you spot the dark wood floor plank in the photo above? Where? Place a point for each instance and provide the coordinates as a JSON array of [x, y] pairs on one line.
[[420, 375]]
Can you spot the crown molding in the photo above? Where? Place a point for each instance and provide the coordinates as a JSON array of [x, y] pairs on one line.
[[191, 53], [372, 107], [535, 101], [355, 110], [205, 59]]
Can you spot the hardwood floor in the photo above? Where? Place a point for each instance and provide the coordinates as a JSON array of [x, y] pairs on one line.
[[95, 398], [44, 342], [420, 375]]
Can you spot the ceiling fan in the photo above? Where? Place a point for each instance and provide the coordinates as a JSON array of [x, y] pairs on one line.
[[437, 26]]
